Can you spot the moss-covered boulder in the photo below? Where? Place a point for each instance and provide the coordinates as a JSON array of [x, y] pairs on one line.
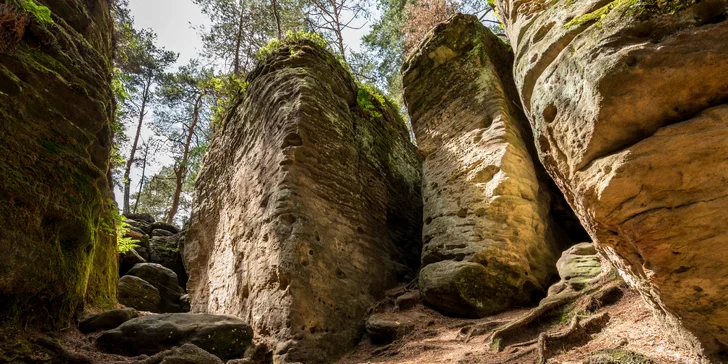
[[57, 235], [490, 241], [224, 336], [627, 100], [307, 206]]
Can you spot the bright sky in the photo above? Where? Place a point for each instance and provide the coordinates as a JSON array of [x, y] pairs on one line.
[[174, 22]]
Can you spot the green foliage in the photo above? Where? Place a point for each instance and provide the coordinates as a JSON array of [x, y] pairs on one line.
[[635, 6], [226, 89], [123, 243], [291, 37], [238, 29], [41, 13], [365, 99]]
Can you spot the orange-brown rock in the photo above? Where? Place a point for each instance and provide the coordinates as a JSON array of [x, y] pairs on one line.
[[627, 102], [489, 239], [308, 207]]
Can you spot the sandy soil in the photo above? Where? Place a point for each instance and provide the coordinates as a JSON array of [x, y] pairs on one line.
[[441, 339]]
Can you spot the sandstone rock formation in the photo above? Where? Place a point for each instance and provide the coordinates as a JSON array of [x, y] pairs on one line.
[[307, 207], [56, 106], [627, 102], [489, 240]]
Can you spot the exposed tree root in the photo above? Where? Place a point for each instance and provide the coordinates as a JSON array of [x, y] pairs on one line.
[[586, 301], [576, 334]]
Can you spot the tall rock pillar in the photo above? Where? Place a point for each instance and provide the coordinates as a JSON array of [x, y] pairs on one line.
[[489, 240], [307, 209]]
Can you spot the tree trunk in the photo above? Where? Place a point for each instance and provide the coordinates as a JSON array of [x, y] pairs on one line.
[[277, 18], [132, 153], [238, 41], [141, 180], [181, 171]]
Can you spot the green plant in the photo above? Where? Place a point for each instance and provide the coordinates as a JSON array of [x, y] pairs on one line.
[[289, 38], [636, 7], [123, 243], [40, 12]]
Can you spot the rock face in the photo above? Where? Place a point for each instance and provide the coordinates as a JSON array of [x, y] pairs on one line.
[[489, 242], [630, 119], [307, 206], [226, 337], [56, 108]]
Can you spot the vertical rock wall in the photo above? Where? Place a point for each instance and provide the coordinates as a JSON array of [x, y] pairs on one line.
[[307, 208], [628, 104], [489, 242], [56, 232]]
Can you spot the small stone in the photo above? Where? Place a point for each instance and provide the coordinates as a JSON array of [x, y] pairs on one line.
[[385, 328], [107, 320], [407, 300]]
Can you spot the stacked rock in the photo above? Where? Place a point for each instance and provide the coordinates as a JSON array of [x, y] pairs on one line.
[[152, 275]]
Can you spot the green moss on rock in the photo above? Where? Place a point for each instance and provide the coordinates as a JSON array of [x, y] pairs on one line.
[[56, 108]]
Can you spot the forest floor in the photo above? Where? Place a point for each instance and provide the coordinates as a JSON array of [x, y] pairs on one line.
[[631, 333]]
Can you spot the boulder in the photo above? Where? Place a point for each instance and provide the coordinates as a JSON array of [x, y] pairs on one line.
[[107, 320], [630, 118], [128, 259], [56, 115], [140, 217], [140, 226], [165, 281], [224, 336], [490, 242], [384, 328], [159, 225], [185, 354], [165, 250], [139, 294], [306, 207], [468, 289], [161, 232], [580, 268]]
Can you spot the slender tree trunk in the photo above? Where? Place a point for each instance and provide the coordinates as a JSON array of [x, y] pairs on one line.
[[339, 36], [132, 153], [238, 41], [141, 180], [277, 18], [181, 171]]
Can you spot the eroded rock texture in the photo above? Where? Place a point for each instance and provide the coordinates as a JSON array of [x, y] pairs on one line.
[[307, 208], [56, 235], [489, 242], [628, 108]]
